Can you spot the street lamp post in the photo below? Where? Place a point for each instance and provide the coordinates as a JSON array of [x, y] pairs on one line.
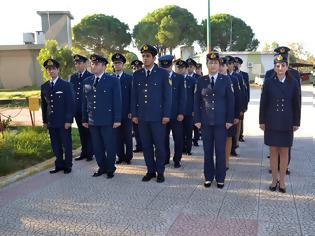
[[208, 29]]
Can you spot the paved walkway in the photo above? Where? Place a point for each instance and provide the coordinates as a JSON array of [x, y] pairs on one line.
[[78, 204]]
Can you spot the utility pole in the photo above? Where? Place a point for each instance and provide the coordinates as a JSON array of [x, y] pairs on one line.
[[231, 31], [208, 29]]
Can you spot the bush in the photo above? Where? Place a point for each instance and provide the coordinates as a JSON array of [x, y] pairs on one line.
[[62, 54]]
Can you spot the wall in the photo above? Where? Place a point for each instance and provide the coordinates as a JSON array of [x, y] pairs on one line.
[[57, 25], [19, 67]]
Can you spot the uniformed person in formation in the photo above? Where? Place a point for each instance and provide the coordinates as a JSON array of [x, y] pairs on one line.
[[238, 64], [239, 92], [295, 74], [284, 51], [177, 116], [189, 83], [136, 65], [231, 132], [151, 109], [214, 114], [199, 69], [57, 104], [279, 117], [181, 67], [76, 80], [192, 65], [243, 101], [101, 112], [124, 132]]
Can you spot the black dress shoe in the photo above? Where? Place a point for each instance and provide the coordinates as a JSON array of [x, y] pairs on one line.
[[167, 162], [89, 159], [160, 178], [79, 158], [119, 162], [98, 173], [241, 139], [177, 164], [220, 185], [207, 184], [67, 170], [148, 177], [268, 157], [56, 170], [110, 175], [196, 144], [189, 153], [234, 154], [128, 162], [288, 172]]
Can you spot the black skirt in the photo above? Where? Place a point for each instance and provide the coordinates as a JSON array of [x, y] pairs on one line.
[[277, 138]]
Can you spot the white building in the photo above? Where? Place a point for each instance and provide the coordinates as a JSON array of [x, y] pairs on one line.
[[254, 63]]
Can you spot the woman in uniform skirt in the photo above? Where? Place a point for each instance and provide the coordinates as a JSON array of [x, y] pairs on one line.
[[231, 132], [279, 117]]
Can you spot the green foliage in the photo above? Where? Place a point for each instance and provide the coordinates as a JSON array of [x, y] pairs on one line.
[[270, 47], [62, 55], [166, 28], [310, 58], [100, 32], [169, 34], [4, 124], [26, 146], [145, 32], [297, 53], [6, 163], [242, 34]]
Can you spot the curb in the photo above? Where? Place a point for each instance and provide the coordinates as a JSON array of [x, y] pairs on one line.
[[9, 179]]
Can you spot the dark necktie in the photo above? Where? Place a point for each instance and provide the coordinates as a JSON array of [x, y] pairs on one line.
[[148, 73], [212, 82], [117, 76], [97, 79], [80, 75], [52, 85]]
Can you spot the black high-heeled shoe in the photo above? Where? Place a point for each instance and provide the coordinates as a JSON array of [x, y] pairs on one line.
[[282, 190], [273, 188]]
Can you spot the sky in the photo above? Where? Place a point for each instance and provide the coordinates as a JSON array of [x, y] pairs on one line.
[[282, 21]]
